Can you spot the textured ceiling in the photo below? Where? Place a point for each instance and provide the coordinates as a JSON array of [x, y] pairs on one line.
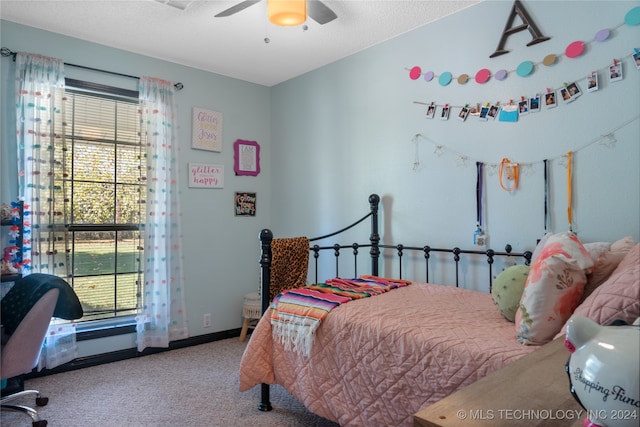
[[187, 33]]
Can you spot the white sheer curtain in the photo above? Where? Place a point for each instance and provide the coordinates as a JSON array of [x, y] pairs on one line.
[[162, 318], [42, 165]]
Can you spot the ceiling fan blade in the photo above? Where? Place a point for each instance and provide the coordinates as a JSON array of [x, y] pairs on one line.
[[320, 12], [237, 8]]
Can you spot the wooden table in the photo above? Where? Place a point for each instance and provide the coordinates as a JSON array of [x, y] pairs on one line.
[[532, 391]]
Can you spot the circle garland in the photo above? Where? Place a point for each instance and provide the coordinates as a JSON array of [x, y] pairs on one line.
[[573, 50], [525, 67]]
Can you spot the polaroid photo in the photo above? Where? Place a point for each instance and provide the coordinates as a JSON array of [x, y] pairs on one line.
[[431, 111], [550, 99], [592, 82], [565, 95], [464, 112], [534, 103], [493, 112], [615, 72], [484, 111], [574, 90], [523, 107], [444, 115], [475, 111], [636, 58]]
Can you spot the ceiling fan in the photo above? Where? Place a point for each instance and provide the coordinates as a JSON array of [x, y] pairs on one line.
[[316, 10]]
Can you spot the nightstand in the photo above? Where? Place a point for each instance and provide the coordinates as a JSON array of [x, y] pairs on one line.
[[532, 391]]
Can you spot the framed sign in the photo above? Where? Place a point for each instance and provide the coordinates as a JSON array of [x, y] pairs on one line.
[[206, 133], [245, 204], [246, 157], [206, 176]]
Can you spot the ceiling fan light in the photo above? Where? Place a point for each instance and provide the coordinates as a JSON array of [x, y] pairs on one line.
[[287, 13]]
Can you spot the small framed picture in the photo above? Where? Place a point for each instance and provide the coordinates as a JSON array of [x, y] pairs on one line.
[[431, 111], [574, 90], [565, 95], [615, 72], [550, 100], [464, 113], [592, 82], [246, 157], [484, 111], [245, 204], [636, 58], [534, 103], [523, 107], [444, 115], [493, 112]]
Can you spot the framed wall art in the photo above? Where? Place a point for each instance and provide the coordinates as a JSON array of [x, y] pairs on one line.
[[245, 204], [246, 157], [206, 133], [203, 175]]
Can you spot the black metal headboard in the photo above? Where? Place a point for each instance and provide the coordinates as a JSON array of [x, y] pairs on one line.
[[375, 248]]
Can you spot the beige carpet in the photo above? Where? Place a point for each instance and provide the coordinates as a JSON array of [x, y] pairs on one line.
[[194, 386]]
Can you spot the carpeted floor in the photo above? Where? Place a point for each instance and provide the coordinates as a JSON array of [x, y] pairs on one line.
[[194, 386]]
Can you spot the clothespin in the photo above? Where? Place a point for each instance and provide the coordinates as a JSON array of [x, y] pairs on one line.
[[466, 105], [548, 90], [591, 74], [446, 106], [615, 62], [487, 104], [511, 102], [522, 98]]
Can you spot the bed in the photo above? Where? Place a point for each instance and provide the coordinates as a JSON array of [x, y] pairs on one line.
[[377, 361]]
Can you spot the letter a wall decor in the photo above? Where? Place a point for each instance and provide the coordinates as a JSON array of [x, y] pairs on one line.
[[527, 24]]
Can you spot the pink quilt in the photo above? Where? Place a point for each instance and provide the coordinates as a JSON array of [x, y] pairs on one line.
[[377, 361]]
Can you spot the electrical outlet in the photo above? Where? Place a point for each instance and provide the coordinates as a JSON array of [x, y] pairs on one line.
[[206, 322]]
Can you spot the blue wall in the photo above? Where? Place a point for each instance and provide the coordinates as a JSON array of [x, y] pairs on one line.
[[335, 135], [346, 131], [221, 250]]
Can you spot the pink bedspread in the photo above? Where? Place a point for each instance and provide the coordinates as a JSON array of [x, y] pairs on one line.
[[377, 361]]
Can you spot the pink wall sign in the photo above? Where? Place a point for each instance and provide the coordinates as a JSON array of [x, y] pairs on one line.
[[206, 176]]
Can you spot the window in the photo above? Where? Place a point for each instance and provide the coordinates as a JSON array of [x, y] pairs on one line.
[[104, 187]]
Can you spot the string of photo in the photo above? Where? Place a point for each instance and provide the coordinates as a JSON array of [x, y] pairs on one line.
[[510, 111]]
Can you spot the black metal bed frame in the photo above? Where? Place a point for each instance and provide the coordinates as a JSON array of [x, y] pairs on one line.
[[266, 237]]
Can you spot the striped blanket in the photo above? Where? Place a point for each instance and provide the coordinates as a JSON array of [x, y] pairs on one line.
[[296, 314]]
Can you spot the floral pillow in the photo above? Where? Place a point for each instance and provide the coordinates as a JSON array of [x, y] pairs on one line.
[[553, 289]]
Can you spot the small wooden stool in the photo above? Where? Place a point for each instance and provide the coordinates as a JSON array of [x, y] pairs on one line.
[[251, 311]]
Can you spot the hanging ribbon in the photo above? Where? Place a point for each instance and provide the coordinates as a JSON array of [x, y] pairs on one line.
[[478, 235], [569, 190], [479, 166], [511, 170], [547, 201]]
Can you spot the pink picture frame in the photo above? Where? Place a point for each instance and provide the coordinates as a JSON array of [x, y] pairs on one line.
[[246, 157]]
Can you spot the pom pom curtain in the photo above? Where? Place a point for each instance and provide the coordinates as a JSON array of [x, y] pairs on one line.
[[42, 156]]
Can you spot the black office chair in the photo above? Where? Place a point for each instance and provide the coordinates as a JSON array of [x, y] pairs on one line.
[[27, 310]]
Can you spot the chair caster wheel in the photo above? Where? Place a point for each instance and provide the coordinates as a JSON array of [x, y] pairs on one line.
[[42, 401], [41, 423]]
